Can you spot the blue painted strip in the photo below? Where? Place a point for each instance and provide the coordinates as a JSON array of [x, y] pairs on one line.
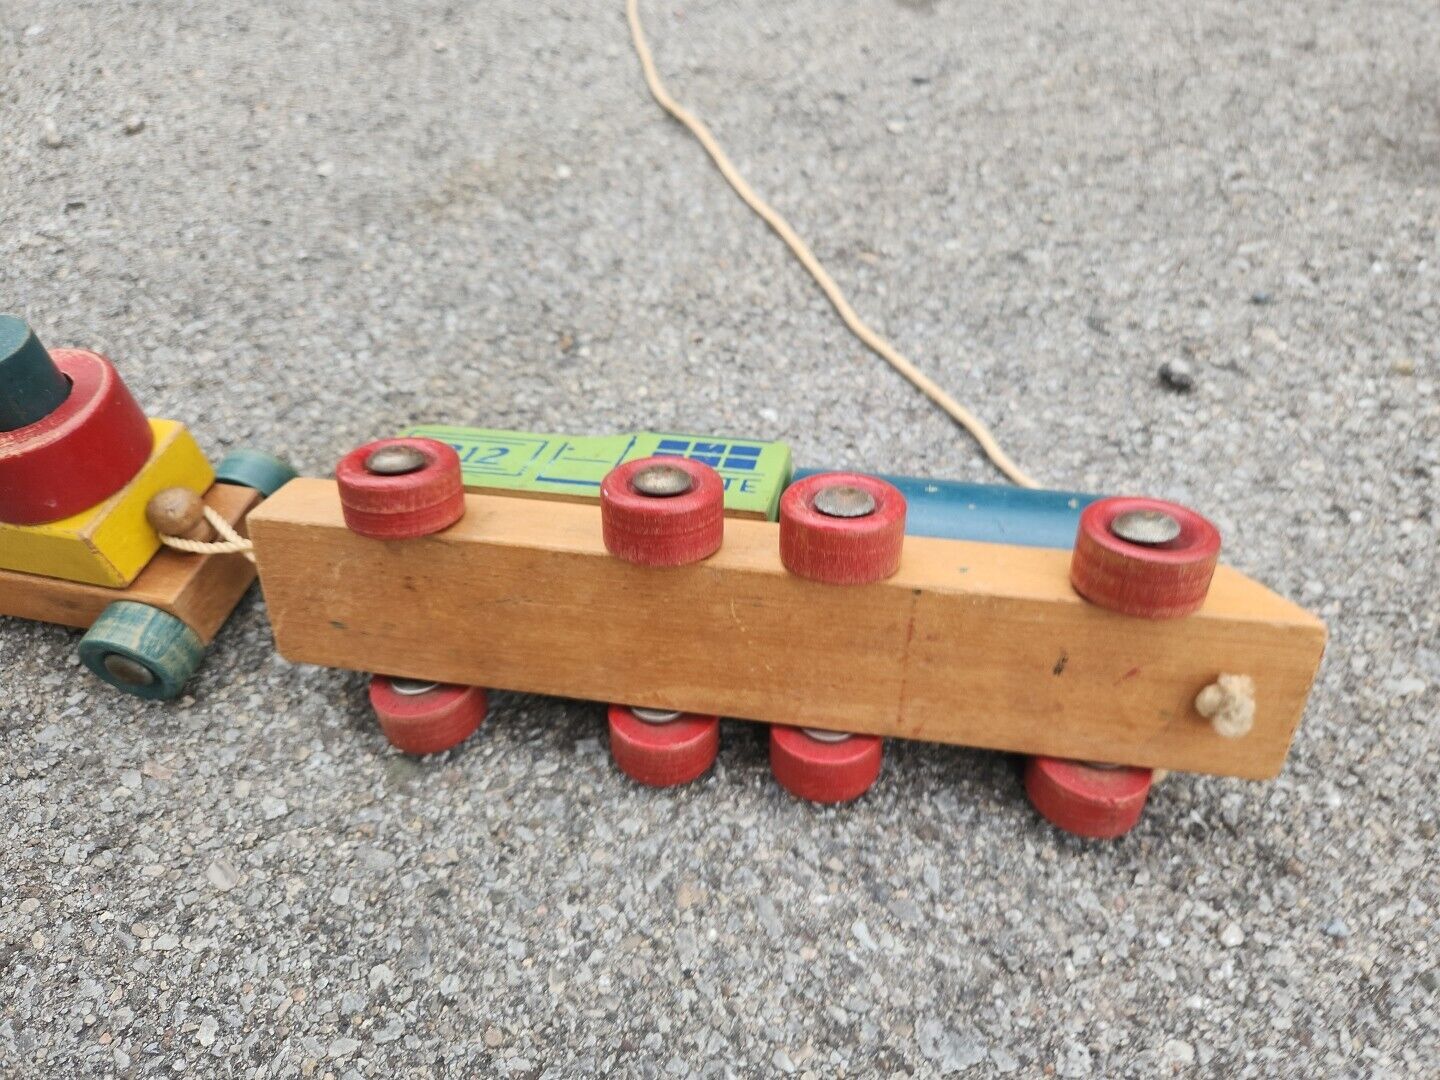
[[989, 513], [568, 480]]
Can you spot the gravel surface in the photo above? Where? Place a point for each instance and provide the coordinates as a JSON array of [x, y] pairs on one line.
[[297, 226]]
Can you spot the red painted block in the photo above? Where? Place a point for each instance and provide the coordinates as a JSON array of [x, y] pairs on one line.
[[81, 454]]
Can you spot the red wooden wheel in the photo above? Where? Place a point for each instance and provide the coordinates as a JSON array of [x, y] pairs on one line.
[[1144, 557], [426, 718], [1094, 801], [842, 528], [401, 489], [823, 766], [662, 749], [662, 511], [90, 447]]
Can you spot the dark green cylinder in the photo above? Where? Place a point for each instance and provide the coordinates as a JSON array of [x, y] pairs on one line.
[[31, 386]]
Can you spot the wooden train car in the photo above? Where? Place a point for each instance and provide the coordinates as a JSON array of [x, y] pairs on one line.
[[684, 578]]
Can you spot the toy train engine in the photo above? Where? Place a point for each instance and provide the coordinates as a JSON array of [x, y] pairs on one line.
[[93, 494]]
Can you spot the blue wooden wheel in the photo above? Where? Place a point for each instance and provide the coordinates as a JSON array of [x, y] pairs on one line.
[[141, 650], [265, 473]]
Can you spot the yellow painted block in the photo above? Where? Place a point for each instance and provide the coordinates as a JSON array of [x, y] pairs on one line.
[[110, 544]]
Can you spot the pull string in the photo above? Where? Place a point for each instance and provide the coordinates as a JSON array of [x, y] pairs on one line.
[[856, 325], [231, 542]]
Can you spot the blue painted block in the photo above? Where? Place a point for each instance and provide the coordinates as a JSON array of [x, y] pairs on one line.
[[990, 513]]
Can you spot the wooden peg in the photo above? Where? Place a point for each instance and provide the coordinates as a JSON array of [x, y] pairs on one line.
[[178, 511]]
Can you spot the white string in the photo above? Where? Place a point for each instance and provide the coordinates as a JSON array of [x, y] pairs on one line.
[[857, 326], [231, 544]]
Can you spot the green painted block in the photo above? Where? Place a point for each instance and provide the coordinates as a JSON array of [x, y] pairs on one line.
[[572, 466]]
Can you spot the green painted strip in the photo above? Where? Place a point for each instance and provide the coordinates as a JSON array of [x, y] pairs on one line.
[[755, 472]]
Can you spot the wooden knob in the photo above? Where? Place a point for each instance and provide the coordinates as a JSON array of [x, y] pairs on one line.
[[177, 511]]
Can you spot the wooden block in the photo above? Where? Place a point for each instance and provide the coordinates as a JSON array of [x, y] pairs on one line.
[[202, 590], [977, 644], [110, 544]]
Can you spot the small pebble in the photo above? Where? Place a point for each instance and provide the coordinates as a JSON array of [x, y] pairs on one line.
[[1177, 375], [1232, 936], [862, 934], [1337, 928], [1267, 338], [222, 874], [380, 976], [1178, 1052], [134, 125], [50, 134]]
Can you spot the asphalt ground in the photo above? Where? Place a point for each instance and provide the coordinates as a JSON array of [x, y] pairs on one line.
[[300, 226]]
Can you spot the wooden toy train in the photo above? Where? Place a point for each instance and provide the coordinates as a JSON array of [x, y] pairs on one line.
[[690, 577]]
